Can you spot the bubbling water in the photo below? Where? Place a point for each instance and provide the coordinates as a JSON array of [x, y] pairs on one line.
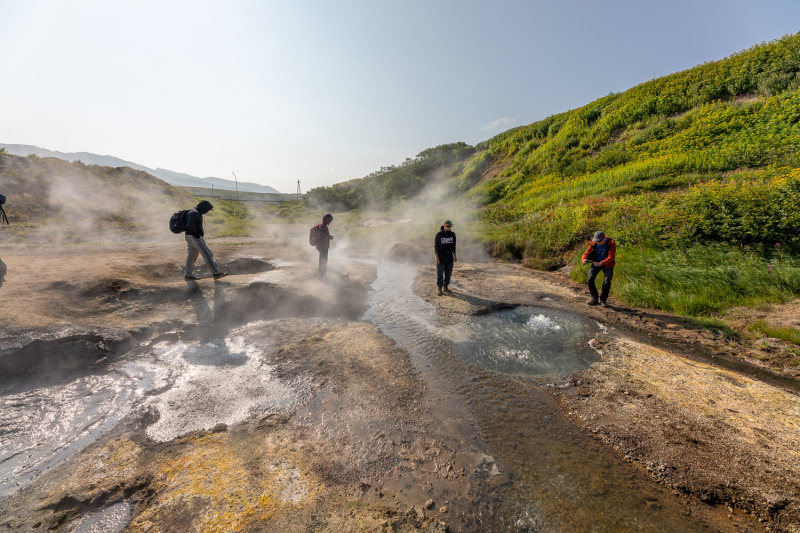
[[530, 341]]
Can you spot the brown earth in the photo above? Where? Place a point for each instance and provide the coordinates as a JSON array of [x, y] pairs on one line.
[[715, 434], [369, 440], [361, 451]]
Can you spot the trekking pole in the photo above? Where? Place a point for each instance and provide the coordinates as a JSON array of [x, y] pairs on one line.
[[3, 217]]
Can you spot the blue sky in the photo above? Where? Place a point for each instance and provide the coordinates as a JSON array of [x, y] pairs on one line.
[[329, 91]]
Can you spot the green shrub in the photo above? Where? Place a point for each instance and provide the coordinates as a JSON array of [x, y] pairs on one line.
[[776, 82]]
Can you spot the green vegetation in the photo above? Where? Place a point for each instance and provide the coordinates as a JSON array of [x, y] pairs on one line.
[[702, 278], [696, 175], [787, 334], [390, 184]]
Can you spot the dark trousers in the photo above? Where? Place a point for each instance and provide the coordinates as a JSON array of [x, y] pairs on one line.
[[323, 263], [608, 273], [443, 272]]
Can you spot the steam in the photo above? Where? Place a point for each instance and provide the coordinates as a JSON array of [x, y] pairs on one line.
[[60, 204], [404, 230]]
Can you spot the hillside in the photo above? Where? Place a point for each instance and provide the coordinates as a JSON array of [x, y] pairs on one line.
[[60, 203], [695, 174], [173, 178]]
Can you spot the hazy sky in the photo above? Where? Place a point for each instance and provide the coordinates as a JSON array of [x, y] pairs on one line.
[[328, 91]]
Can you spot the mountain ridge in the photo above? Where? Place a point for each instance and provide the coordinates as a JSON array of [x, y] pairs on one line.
[[173, 178]]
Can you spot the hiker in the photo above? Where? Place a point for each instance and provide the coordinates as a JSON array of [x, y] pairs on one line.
[[196, 244], [600, 254], [3, 219], [323, 240], [444, 247]]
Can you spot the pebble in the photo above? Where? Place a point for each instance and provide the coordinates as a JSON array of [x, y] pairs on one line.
[[429, 504]]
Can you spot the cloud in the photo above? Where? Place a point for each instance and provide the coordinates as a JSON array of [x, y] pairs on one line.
[[505, 122]]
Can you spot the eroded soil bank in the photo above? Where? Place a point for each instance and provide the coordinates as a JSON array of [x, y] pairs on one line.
[[271, 402], [718, 435]]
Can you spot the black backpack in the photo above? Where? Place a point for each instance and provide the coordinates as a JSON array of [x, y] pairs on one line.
[[177, 223]]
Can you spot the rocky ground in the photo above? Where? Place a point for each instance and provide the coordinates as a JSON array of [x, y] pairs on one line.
[[357, 437], [355, 449]]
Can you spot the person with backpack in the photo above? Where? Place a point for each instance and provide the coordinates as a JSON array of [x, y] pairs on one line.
[[195, 241], [444, 249], [601, 254], [320, 237], [3, 220], [3, 217]]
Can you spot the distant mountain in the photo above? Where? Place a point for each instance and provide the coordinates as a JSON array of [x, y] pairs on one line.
[[173, 178]]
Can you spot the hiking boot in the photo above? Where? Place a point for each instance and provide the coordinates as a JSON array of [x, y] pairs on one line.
[[190, 278], [446, 289], [603, 303], [440, 291], [594, 301], [220, 275]]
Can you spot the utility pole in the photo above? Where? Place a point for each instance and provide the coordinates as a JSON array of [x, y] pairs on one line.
[[298, 190], [237, 185]]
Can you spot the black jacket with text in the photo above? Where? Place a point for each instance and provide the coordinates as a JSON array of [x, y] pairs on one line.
[[444, 246]]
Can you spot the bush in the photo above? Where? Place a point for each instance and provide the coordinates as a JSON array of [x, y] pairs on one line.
[[774, 83]]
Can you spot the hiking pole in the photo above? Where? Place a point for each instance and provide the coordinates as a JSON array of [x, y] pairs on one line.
[[3, 217]]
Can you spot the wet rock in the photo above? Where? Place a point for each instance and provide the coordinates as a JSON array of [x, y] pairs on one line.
[[248, 265], [59, 360]]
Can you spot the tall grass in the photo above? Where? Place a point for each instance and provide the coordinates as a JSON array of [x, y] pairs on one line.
[[787, 334], [701, 279]]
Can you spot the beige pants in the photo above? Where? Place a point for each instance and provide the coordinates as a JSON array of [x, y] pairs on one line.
[[197, 247]]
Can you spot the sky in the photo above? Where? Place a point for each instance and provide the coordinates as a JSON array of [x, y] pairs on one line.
[[323, 92]]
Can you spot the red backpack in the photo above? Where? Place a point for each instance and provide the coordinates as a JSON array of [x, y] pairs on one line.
[[314, 235]]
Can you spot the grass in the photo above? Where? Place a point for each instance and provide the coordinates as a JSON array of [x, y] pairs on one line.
[[715, 324], [700, 280], [783, 333]]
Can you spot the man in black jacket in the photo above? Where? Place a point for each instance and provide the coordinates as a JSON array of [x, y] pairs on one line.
[[444, 246], [195, 242]]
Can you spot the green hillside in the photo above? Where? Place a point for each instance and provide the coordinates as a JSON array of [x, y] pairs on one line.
[[696, 175]]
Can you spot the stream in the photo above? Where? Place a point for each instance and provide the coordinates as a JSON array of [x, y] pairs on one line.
[[488, 369]]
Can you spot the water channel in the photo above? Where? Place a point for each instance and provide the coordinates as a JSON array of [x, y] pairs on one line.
[[561, 479]]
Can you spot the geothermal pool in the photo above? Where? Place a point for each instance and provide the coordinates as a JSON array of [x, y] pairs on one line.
[[488, 370]]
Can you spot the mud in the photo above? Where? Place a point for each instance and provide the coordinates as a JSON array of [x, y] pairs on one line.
[[270, 401]]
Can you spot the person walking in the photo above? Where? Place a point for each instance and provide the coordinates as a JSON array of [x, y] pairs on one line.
[[196, 243], [444, 248], [324, 239], [3, 220], [601, 254]]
